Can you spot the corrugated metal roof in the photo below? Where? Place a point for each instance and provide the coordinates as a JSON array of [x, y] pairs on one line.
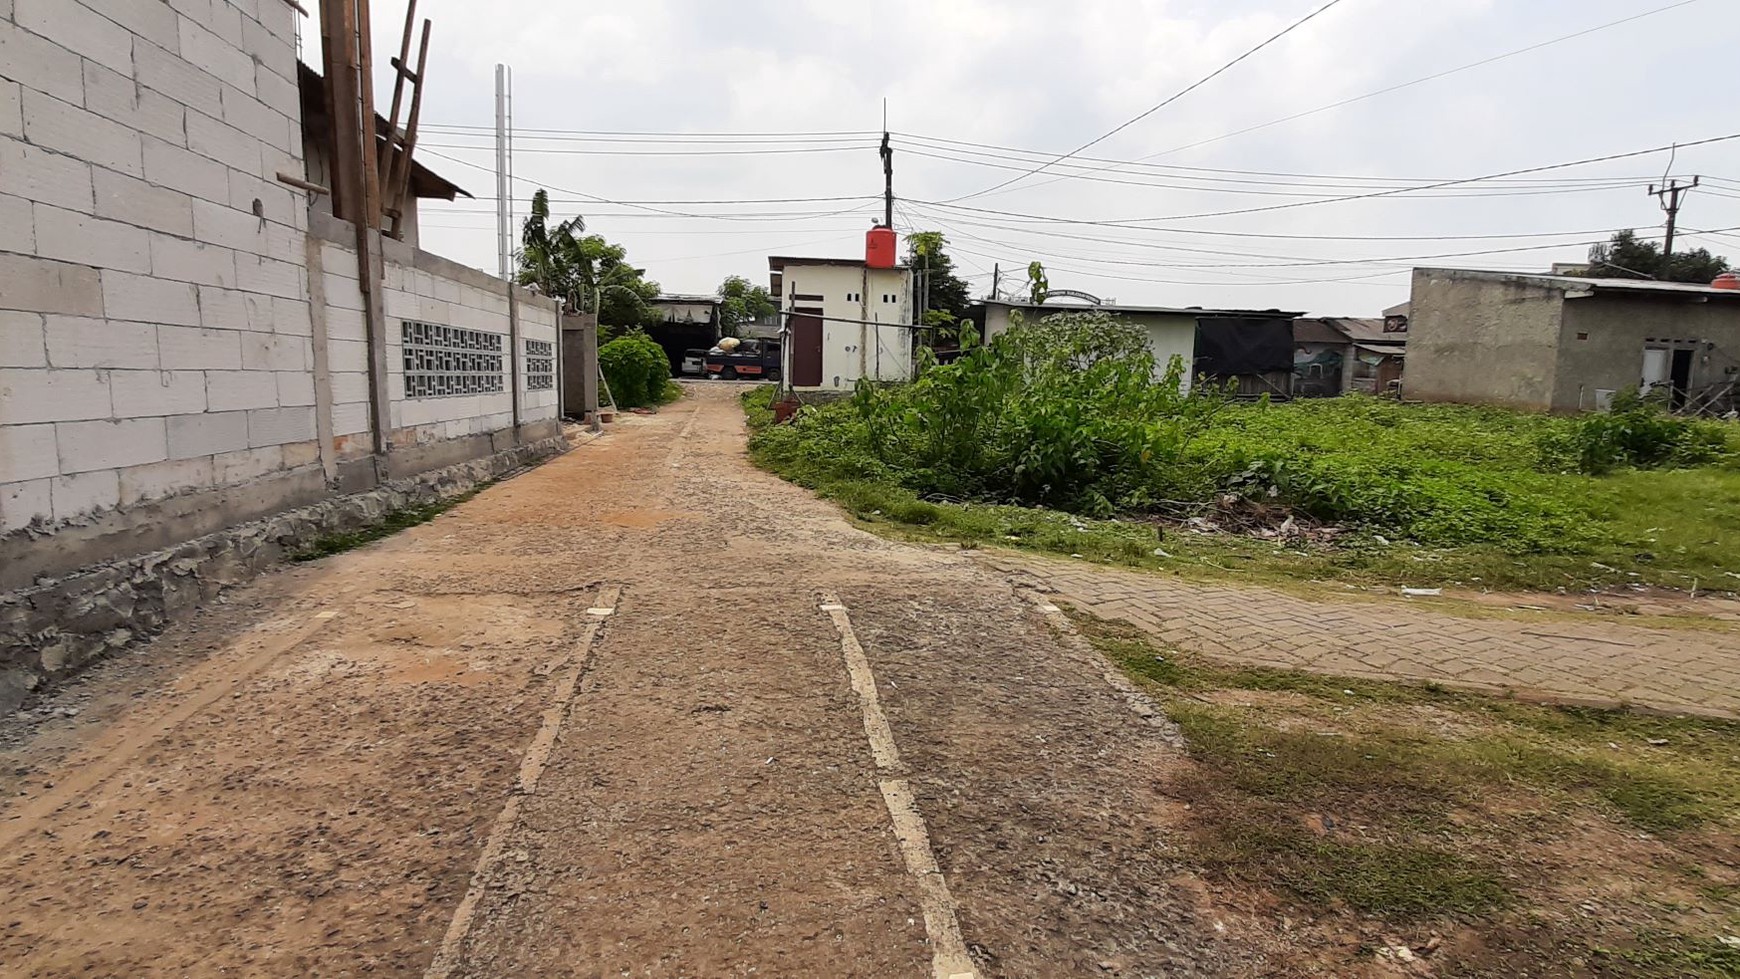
[[1361, 329], [1345, 329], [1309, 330]]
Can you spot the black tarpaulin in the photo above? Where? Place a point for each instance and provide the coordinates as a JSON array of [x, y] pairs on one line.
[[1226, 346]]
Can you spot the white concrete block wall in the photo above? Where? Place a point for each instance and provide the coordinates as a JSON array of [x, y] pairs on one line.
[[154, 327], [347, 349], [417, 294], [538, 322]]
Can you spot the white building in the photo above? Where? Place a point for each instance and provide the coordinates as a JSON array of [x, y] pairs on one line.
[[845, 320]]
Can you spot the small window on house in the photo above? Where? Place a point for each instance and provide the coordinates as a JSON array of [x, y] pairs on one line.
[[1582, 336], [540, 365], [448, 361]]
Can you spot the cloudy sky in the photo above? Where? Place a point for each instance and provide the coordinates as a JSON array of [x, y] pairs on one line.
[[660, 103]]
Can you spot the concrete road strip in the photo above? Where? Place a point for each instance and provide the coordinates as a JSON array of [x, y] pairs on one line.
[[532, 766], [949, 958]]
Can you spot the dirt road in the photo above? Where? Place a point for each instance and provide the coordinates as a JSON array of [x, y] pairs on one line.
[[601, 721]]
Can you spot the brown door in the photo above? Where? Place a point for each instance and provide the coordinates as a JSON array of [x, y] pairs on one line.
[[806, 351]]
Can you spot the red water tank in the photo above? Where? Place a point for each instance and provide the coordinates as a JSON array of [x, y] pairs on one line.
[[879, 248], [1727, 280]]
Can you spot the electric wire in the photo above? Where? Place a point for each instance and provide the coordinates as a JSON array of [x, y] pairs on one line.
[[1124, 222], [1161, 105], [1397, 87]]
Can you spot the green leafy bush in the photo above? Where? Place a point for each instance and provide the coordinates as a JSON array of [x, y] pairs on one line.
[[1638, 432], [636, 369], [1070, 412]]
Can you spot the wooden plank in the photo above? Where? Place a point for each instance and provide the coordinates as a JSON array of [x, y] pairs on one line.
[[401, 187], [371, 169]]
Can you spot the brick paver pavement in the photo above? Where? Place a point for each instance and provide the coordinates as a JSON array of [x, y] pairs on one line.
[[1694, 671]]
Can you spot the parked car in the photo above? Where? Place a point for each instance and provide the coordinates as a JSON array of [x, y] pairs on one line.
[[694, 361], [754, 359]]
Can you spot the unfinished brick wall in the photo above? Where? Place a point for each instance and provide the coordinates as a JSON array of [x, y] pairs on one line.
[[154, 325]]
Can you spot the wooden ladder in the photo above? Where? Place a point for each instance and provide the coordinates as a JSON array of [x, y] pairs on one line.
[[401, 143]]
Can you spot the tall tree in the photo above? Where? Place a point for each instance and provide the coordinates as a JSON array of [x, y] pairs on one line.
[[583, 272], [741, 302], [551, 257], [943, 292], [1625, 257]]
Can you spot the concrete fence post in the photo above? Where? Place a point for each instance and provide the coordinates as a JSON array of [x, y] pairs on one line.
[[579, 352], [516, 350]]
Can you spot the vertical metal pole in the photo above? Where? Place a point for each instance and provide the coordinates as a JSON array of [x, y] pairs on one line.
[[501, 178]]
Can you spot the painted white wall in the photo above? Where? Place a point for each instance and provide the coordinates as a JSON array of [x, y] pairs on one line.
[[867, 330]]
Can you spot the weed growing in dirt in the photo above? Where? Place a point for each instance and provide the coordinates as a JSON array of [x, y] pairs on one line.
[[395, 521], [1417, 803], [1665, 955]]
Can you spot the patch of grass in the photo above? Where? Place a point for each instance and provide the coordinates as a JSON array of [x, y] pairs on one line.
[[395, 521], [1400, 880], [1378, 796], [1663, 955]]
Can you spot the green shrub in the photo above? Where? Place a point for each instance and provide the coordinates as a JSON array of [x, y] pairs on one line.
[[1069, 412], [636, 369], [1638, 432]]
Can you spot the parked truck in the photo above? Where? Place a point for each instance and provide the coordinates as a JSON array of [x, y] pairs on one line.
[[753, 359]]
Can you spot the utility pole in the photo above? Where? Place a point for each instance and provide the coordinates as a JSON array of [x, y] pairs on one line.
[[503, 233], [1670, 194], [996, 281], [924, 303], [887, 182]]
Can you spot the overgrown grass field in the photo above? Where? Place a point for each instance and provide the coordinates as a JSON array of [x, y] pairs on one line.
[[1104, 463]]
